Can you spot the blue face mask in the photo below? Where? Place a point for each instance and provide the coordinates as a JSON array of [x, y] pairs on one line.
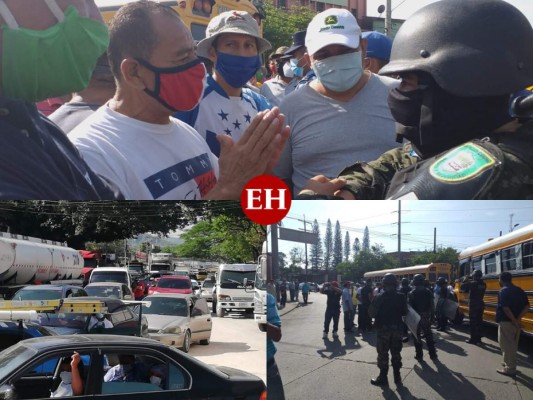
[[237, 70], [339, 73], [296, 70]]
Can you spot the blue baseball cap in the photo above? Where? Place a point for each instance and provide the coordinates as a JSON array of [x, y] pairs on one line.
[[298, 41], [379, 45]]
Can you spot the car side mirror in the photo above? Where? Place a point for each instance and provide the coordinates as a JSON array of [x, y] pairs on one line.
[[8, 392]]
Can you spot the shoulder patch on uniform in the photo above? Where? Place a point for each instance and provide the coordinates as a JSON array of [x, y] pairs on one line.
[[462, 163]]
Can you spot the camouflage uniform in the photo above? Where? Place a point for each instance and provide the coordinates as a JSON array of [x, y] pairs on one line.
[[499, 167], [388, 308]]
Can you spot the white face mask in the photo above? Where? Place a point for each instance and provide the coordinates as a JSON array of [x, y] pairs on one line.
[[66, 377], [287, 70], [339, 73], [155, 380]]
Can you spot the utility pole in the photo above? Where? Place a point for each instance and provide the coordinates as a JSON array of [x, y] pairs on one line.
[[388, 19], [400, 231], [305, 230], [435, 240], [275, 251]]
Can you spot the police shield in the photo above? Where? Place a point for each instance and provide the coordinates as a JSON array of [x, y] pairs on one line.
[[412, 319], [449, 309]]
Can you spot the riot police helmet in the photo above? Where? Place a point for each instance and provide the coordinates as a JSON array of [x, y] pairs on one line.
[[441, 281], [470, 48], [389, 279], [405, 282], [418, 280]]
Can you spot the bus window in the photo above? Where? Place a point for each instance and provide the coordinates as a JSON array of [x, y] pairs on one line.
[[527, 255], [508, 259], [198, 31], [433, 277], [476, 264], [464, 267], [490, 263]]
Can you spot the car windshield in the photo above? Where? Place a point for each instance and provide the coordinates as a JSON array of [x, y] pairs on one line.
[[66, 320], [103, 291], [208, 284], [13, 358], [136, 268], [174, 284], [36, 294], [165, 306], [109, 276], [234, 279]]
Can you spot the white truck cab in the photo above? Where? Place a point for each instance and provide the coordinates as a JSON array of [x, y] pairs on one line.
[[230, 290]]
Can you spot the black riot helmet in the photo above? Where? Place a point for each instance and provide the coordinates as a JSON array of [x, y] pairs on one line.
[[418, 280], [441, 281], [469, 56], [405, 282], [389, 280], [470, 48]]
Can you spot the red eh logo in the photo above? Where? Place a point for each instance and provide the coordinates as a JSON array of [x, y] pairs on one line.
[[266, 199]]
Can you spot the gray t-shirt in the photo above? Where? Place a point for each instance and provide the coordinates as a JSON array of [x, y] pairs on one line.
[[328, 135], [273, 90], [70, 115]]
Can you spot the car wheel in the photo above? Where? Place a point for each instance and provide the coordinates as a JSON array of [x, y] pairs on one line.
[[186, 342], [205, 342], [220, 312]]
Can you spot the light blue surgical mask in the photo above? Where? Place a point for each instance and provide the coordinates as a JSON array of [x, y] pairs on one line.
[[296, 70], [339, 73]]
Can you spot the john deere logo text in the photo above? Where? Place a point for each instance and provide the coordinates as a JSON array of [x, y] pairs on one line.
[[330, 20]]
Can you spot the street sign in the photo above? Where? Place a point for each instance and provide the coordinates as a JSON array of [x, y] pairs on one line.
[[298, 236]]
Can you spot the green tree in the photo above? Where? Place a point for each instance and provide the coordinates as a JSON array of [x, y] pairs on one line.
[[316, 249], [281, 23], [224, 239], [356, 247], [443, 255], [337, 245], [328, 246], [366, 240], [347, 246], [107, 221]]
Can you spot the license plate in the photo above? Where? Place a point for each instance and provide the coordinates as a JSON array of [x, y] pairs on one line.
[[243, 304]]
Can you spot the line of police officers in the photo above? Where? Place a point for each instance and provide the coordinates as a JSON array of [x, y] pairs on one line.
[[389, 306]]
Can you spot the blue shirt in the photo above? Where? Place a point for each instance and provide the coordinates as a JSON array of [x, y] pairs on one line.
[[274, 319], [513, 297]]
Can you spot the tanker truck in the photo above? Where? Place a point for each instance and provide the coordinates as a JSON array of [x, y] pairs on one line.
[[25, 260]]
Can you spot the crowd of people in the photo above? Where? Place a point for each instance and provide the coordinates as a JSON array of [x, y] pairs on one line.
[[390, 307], [142, 118]]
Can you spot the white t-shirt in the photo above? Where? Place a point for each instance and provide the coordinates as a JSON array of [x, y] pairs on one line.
[[146, 161]]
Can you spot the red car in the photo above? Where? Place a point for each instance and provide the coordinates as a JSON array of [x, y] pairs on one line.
[[172, 284]]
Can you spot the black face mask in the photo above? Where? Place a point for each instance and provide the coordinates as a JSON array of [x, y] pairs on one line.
[[435, 121], [405, 106]]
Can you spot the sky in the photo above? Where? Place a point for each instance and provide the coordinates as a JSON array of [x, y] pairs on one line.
[[402, 9], [459, 224]]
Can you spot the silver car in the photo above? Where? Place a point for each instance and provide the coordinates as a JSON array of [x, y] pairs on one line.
[[178, 319], [206, 290]]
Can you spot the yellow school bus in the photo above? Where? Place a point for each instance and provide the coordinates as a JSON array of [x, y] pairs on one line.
[[431, 272], [512, 252], [195, 13]]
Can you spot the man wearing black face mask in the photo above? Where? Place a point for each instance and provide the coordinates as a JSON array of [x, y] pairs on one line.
[[274, 89], [53, 55], [453, 108]]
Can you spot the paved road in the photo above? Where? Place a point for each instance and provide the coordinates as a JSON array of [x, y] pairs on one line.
[[236, 342], [312, 368]]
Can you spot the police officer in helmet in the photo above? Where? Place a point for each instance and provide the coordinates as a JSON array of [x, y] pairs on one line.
[[476, 289], [459, 62], [421, 299], [388, 308]]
